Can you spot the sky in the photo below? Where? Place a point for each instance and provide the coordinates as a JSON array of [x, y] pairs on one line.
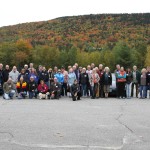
[[22, 11]]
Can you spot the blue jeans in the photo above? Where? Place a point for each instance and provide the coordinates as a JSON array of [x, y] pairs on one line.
[[128, 90], [143, 89], [84, 89]]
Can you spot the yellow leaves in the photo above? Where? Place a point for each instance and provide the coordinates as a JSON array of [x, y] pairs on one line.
[[147, 61]]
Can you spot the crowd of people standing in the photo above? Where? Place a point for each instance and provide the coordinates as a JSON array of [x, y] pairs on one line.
[[74, 82]]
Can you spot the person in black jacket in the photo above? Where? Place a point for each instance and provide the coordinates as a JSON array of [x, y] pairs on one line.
[[75, 91], [83, 81], [106, 80], [43, 75], [1, 78], [32, 88], [55, 89], [6, 73]]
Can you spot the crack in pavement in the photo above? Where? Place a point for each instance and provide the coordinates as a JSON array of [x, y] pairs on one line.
[[6, 136]]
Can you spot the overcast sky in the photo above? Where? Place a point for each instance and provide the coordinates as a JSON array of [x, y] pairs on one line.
[[20, 11]]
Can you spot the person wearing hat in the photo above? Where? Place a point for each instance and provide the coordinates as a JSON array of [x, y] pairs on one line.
[[32, 88], [9, 89], [75, 91]]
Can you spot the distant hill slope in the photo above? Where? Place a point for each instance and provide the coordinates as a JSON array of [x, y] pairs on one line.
[[84, 32]]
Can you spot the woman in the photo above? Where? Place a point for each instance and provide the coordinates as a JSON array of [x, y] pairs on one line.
[[106, 81], [43, 90], [142, 83], [21, 87], [71, 78], [94, 81], [33, 73], [121, 79], [129, 79]]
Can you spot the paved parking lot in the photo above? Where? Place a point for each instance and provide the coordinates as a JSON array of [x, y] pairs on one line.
[[99, 124]]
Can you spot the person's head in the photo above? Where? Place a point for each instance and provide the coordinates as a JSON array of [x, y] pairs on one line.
[[107, 69], [75, 81], [55, 69], [134, 68], [74, 67], [55, 80], [143, 71], [14, 68], [59, 71], [62, 68], [1, 66], [25, 66], [31, 78], [84, 70], [100, 66], [44, 68], [9, 80], [94, 71], [148, 68], [7, 67], [42, 82], [118, 67], [40, 67], [76, 64], [21, 79], [69, 67], [122, 69], [70, 70], [23, 71], [96, 68], [32, 70], [31, 65], [80, 69], [88, 67], [50, 69], [92, 65], [128, 70]]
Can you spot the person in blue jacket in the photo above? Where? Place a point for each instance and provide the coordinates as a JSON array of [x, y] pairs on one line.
[[60, 78]]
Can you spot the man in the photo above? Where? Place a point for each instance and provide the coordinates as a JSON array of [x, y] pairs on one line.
[[75, 91], [32, 88], [148, 80], [6, 73], [55, 89], [14, 75], [8, 88], [136, 78]]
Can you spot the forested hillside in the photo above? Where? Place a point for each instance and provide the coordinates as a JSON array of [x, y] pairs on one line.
[[104, 38]]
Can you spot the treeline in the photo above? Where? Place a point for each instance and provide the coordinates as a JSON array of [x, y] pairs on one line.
[[22, 52]]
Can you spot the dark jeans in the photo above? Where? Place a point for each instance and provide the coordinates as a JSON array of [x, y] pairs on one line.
[[84, 89], [132, 89], [32, 94], [74, 97], [89, 89], [121, 89], [64, 89]]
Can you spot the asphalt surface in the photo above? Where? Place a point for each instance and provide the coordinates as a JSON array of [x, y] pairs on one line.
[[99, 124]]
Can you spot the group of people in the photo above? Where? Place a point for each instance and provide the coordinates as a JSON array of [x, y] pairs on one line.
[[75, 82]]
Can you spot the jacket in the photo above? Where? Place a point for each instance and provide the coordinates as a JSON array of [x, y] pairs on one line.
[[129, 77], [44, 76], [71, 78], [43, 89], [21, 87], [14, 76], [106, 81], [121, 76], [74, 88], [6, 75], [31, 86], [84, 78], [60, 77], [7, 87], [148, 78], [94, 78], [55, 87]]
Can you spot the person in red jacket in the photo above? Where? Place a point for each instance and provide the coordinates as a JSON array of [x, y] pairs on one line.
[[43, 90]]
